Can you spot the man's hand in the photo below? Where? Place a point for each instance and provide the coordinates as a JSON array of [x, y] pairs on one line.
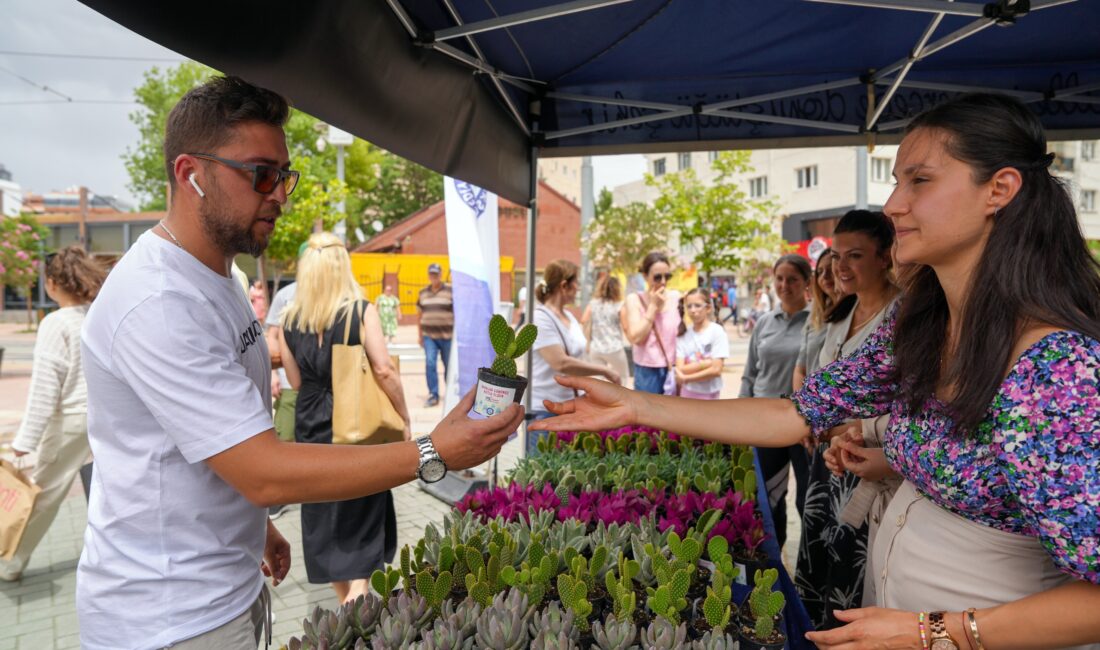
[[463, 443], [604, 406], [276, 562]]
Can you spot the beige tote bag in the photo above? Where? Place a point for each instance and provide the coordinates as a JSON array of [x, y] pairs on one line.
[[17, 495], [362, 413]]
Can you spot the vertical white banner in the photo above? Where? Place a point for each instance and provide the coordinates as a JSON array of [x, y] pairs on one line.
[[474, 246]]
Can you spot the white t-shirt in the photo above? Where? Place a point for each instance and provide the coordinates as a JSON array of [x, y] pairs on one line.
[[283, 297], [177, 371], [551, 330], [693, 346]]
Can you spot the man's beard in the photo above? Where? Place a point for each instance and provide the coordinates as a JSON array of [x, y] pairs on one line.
[[229, 236]]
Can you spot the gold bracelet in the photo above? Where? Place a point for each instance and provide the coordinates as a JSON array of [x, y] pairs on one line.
[[974, 628]]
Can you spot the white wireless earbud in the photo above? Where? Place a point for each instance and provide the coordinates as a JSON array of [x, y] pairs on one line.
[[195, 185]]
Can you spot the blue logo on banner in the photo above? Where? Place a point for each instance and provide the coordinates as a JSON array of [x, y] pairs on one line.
[[473, 196]]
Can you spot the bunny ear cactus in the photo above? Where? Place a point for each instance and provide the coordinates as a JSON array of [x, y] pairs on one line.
[[716, 607], [384, 582], [434, 591], [509, 345], [573, 594], [764, 603]]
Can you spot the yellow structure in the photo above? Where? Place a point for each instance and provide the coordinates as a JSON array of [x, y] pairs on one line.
[[371, 269]]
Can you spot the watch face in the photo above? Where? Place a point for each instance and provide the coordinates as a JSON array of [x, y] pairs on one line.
[[432, 470], [944, 644]]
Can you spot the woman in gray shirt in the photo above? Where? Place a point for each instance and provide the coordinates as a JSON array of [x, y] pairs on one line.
[[773, 350]]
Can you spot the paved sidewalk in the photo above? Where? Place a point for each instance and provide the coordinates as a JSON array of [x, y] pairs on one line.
[[38, 613]]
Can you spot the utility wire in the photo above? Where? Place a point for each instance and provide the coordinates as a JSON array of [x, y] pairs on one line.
[[32, 102], [35, 84], [94, 57]]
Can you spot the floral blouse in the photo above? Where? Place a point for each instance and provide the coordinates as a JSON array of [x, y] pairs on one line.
[[1033, 467]]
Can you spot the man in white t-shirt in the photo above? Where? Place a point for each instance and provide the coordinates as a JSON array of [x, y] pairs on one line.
[[179, 404]]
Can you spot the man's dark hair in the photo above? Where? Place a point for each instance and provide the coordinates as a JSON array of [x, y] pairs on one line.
[[204, 118]]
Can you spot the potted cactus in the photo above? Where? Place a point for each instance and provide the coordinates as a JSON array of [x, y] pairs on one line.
[[760, 630], [499, 385]]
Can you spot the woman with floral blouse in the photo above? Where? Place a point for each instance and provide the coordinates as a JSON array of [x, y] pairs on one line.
[[990, 371]]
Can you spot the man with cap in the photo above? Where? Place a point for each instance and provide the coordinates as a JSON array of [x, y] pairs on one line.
[[435, 327]]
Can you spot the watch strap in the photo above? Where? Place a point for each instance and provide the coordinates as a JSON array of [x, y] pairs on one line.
[[937, 625]]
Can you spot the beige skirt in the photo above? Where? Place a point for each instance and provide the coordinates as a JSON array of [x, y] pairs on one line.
[[924, 558]]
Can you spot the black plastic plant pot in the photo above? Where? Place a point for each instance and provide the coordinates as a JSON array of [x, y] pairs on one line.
[[749, 642], [495, 393]]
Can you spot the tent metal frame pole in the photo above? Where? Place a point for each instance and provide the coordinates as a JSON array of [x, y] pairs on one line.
[[792, 121], [781, 94], [543, 13], [482, 66], [1023, 95], [614, 101], [927, 6], [529, 280], [914, 56], [642, 119], [403, 17], [958, 35], [495, 80]]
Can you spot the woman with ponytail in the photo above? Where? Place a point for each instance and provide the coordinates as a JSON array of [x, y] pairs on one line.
[[56, 420], [989, 368]]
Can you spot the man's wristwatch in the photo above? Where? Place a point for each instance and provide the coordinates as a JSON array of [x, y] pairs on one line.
[[940, 639], [431, 468]]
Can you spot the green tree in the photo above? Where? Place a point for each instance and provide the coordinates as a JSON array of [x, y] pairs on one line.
[[604, 201], [618, 237], [20, 251], [314, 201], [156, 96], [721, 226]]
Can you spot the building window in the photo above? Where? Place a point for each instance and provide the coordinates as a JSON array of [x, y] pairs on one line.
[[758, 187], [806, 177], [685, 161], [1088, 200], [1088, 151], [659, 167], [880, 170], [712, 156]]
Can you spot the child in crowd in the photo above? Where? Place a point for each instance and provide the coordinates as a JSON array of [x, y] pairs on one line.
[[701, 350]]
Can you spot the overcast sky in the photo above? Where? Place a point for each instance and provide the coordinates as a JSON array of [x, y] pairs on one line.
[[48, 143]]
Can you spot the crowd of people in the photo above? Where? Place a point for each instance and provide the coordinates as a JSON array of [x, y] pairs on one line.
[[933, 383]]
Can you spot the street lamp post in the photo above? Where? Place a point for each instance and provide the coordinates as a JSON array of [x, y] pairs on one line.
[[340, 139]]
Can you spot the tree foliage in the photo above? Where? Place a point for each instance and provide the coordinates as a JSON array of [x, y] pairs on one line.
[[20, 251], [718, 225], [618, 238], [378, 185]]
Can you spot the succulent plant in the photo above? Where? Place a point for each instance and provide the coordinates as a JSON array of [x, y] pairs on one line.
[[662, 635], [573, 594], [716, 606], [555, 620], [324, 630], [765, 603], [445, 635], [548, 641], [509, 344], [393, 632], [503, 626], [620, 588], [462, 616], [714, 641], [436, 590], [615, 635], [384, 581], [362, 614], [413, 608]]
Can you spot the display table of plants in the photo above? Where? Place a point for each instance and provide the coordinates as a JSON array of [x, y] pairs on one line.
[[621, 539]]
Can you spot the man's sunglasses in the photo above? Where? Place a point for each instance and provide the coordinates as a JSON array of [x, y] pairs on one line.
[[662, 277], [265, 178]]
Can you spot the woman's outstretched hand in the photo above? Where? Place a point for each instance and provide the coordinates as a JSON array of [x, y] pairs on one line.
[[604, 406]]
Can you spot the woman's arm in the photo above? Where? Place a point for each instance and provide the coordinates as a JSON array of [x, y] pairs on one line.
[[1058, 618], [748, 377], [638, 326], [563, 364], [586, 321], [701, 370], [48, 372], [374, 342], [290, 364]]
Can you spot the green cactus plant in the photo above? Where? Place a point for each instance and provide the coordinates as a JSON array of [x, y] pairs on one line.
[[765, 604], [615, 634], [716, 607], [573, 594], [384, 582], [509, 345], [436, 590]]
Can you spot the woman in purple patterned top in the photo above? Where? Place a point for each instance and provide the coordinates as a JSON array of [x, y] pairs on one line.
[[993, 392]]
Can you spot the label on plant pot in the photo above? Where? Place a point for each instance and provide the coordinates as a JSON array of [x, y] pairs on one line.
[[742, 574], [491, 400]]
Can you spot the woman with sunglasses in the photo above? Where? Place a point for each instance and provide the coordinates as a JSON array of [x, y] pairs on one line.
[[990, 370], [652, 321], [56, 420]]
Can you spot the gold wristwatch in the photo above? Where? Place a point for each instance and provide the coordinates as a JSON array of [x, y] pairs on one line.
[[940, 640]]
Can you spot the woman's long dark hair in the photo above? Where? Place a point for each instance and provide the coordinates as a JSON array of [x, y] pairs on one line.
[[880, 230], [1035, 269]]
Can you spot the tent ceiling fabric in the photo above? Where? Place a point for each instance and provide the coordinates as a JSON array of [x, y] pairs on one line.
[[674, 74]]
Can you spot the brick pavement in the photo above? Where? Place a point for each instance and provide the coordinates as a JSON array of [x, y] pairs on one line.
[[38, 613]]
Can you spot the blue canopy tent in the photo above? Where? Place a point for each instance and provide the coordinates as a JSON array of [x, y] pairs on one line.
[[480, 89]]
